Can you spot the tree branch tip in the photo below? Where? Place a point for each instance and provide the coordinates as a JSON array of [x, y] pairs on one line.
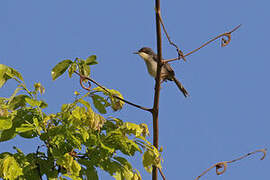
[[162, 174], [237, 27], [224, 164], [264, 151]]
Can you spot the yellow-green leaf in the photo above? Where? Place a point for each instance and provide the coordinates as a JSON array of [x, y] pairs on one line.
[[3, 77], [72, 69], [8, 134], [60, 68], [32, 102], [25, 128], [91, 60], [5, 123], [9, 168], [68, 162], [99, 103]]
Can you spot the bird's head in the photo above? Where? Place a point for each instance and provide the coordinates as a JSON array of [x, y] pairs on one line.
[[146, 53]]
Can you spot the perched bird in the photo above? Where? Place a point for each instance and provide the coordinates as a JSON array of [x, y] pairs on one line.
[[150, 58]]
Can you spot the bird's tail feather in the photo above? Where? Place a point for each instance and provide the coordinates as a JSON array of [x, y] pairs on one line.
[[181, 87]]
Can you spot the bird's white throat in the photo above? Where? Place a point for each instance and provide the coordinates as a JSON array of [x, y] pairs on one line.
[[150, 63], [145, 56]]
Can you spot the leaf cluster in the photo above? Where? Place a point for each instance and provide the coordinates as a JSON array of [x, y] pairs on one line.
[[75, 141]]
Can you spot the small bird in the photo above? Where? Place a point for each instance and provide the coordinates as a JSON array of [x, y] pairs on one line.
[[150, 58]]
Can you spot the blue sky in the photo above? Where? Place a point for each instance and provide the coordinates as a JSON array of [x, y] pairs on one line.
[[227, 113]]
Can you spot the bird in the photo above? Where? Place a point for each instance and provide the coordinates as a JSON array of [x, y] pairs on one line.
[[167, 73]]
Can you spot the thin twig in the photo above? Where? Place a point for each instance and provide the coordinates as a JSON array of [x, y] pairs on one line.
[[224, 43], [223, 165], [246, 155], [180, 53], [162, 174], [82, 78]]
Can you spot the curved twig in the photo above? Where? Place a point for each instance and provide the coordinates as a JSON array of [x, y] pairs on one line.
[[224, 42], [223, 165], [242, 157], [180, 53], [82, 78]]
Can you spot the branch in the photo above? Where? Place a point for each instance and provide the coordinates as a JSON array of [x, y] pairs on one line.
[[223, 165], [155, 111], [224, 42], [82, 78], [180, 53], [162, 174]]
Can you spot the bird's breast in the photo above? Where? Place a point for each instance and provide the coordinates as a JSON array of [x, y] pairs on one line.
[[151, 67]]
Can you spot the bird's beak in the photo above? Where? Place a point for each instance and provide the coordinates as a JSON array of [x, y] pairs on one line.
[[135, 52]]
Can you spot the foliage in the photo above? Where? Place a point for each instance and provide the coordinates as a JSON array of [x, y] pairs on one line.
[[75, 141]]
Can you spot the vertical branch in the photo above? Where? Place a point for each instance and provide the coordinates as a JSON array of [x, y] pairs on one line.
[[155, 111]]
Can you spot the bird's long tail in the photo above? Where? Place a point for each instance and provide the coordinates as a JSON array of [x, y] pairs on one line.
[[180, 86]]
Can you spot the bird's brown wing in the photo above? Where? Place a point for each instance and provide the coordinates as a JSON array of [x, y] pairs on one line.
[[171, 73]]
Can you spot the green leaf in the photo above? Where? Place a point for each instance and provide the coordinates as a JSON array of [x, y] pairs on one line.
[[123, 161], [33, 102], [85, 69], [25, 128], [72, 69], [91, 141], [74, 141], [13, 73], [3, 76], [148, 160], [84, 134], [116, 139], [116, 103], [106, 148], [65, 107], [91, 60], [5, 123], [151, 157], [91, 173], [60, 68], [7, 73], [43, 104], [85, 103], [18, 101], [37, 126], [145, 130], [72, 166], [137, 175], [132, 128], [9, 168], [7, 134], [99, 89], [75, 168], [99, 103]]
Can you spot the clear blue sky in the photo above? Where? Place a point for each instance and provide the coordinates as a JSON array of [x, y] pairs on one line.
[[227, 113]]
